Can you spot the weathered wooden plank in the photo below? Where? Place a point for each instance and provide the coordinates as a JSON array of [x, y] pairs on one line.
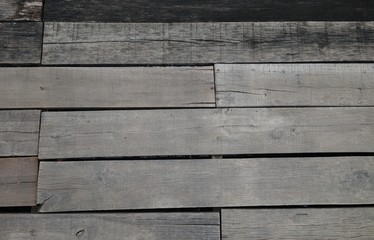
[[295, 224], [20, 10], [206, 132], [193, 43], [18, 178], [20, 42], [258, 85], [114, 226], [19, 133], [70, 87], [151, 184]]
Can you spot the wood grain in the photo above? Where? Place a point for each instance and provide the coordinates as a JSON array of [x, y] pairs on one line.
[[203, 43], [20, 10], [18, 177], [295, 224], [112, 87], [114, 226], [262, 85]]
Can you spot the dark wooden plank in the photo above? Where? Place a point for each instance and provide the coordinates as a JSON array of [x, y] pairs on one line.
[[20, 10], [18, 177], [20, 42], [114, 226], [152, 184], [295, 224]]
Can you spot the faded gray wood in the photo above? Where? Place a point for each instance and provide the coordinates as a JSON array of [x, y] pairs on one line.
[[258, 85], [18, 178], [20, 10], [19, 133], [192, 43], [114, 226], [70, 87], [152, 184], [205, 132], [295, 224]]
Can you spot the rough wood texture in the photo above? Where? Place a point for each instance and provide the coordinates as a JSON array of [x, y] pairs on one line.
[[20, 42], [295, 224], [69, 87], [207, 11], [20, 10], [206, 132], [148, 184], [259, 85], [18, 178], [19, 132], [116, 226], [193, 43]]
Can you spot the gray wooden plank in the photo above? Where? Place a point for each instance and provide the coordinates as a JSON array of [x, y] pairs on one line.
[[19, 133], [114, 226], [152, 184], [295, 224], [193, 43], [20, 10], [205, 132], [259, 85], [112, 87]]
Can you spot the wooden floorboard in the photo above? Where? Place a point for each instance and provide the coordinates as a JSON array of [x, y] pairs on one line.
[[21, 10]]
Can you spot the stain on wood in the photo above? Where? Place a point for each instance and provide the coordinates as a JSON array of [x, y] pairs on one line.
[[21, 10]]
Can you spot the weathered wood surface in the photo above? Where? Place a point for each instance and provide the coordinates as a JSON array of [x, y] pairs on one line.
[[205, 132], [260, 85], [18, 177], [20, 10], [19, 133], [70, 87], [20, 42], [148, 184], [295, 224], [114, 226], [193, 43]]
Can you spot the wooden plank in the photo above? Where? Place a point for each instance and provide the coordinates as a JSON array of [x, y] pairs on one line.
[[20, 42], [20, 10], [152, 184], [19, 133], [205, 132], [259, 85], [71, 87], [18, 177], [114, 226], [294, 224], [194, 43]]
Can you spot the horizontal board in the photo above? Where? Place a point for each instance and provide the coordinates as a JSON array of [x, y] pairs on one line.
[[295, 224], [205, 132], [20, 10], [20, 42], [151, 184], [18, 177], [258, 85], [114, 226], [81, 87], [19, 133], [193, 43]]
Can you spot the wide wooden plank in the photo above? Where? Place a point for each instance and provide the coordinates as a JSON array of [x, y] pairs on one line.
[[205, 132], [295, 224], [19, 133], [20, 42], [151, 184], [259, 85], [20, 10], [18, 177], [193, 43], [71, 87], [114, 226]]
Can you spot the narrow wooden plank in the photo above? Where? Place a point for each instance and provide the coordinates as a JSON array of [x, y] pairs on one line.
[[259, 85], [152, 184], [71, 87], [114, 226], [295, 224], [205, 132], [19, 133], [20, 10], [20, 42], [18, 177], [193, 43]]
